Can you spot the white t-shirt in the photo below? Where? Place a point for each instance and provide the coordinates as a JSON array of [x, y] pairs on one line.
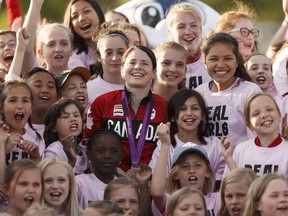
[[261, 159], [99, 86], [196, 74], [56, 149], [82, 60], [280, 78], [226, 110], [213, 149], [18, 153], [89, 189]]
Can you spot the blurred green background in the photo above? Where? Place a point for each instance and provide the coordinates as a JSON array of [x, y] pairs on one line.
[[269, 12]]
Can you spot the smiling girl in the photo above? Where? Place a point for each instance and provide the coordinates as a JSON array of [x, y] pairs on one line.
[[185, 28], [135, 109], [229, 89], [59, 190], [82, 17], [267, 152], [239, 24]]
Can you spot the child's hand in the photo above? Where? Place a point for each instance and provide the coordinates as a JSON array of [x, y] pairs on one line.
[[68, 145], [3, 132], [31, 148], [143, 174], [227, 147], [22, 38], [12, 140], [163, 132]]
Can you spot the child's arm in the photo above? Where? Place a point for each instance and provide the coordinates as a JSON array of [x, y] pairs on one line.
[[227, 150], [30, 23], [143, 176], [3, 138], [17, 63], [279, 36], [158, 183]]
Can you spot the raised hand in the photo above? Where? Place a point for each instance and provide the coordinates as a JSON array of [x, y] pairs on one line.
[[163, 132]]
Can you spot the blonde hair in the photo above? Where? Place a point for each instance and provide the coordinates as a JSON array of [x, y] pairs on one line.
[[37, 208], [170, 45], [40, 35], [256, 191], [120, 183], [181, 8], [174, 184], [70, 205], [179, 195], [247, 106], [245, 175], [227, 20]]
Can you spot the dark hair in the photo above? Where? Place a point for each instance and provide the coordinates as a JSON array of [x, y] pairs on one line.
[[78, 42], [13, 84], [222, 37], [53, 113], [101, 132], [35, 70], [145, 49], [102, 32], [174, 106]]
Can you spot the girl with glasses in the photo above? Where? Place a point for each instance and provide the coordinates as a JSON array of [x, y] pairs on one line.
[[239, 24]]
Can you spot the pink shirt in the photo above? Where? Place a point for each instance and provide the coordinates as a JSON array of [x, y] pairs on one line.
[[226, 110], [82, 59], [89, 189], [17, 153], [99, 86], [213, 149], [261, 159], [56, 149], [196, 74]]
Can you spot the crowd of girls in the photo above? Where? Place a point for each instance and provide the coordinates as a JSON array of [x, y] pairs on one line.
[[96, 122]]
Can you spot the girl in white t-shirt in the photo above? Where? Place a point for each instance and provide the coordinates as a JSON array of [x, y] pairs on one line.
[[267, 153], [104, 151], [63, 133], [229, 89], [111, 45], [16, 108], [267, 195], [190, 167], [186, 201], [82, 18], [185, 27], [188, 116], [234, 189], [59, 191], [171, 68]]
